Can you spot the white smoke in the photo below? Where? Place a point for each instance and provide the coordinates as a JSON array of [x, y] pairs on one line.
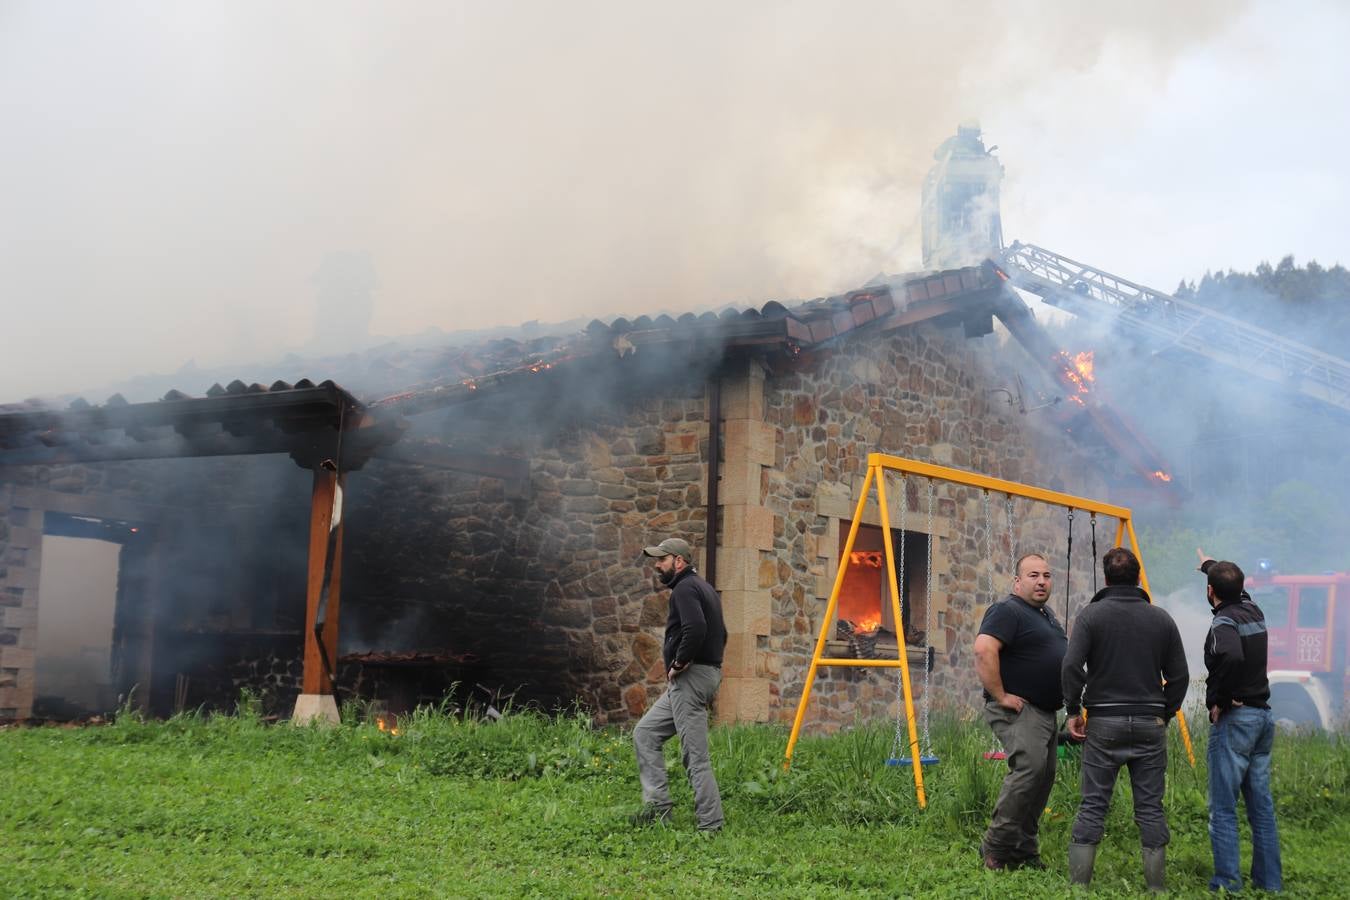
[[175, 175]]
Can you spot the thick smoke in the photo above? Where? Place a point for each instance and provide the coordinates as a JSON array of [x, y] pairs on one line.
[[1257, 467], [175, 178]]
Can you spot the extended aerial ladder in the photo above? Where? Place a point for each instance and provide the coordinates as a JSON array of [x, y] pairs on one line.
[[1171, 322]]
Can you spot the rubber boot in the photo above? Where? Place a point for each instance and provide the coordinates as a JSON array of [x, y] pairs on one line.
[[1082, 857], [1155, 863]]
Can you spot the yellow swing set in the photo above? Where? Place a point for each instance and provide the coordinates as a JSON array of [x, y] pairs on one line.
[[878, 464]]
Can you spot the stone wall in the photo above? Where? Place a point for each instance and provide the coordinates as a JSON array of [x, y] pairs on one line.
[[20, 549], [549, 591], [922, 394]]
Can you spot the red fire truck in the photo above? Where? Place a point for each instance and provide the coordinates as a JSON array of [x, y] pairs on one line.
[[1309, 638]]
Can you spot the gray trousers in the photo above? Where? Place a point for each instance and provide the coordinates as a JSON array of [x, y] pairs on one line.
[[1136, 742], [1028, 738], [682, 710]]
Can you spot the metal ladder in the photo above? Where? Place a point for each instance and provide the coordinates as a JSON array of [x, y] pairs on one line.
[[1085, 291]]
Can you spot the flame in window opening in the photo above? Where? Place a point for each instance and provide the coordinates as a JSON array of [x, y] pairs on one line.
[[870, 558], [866, 626]]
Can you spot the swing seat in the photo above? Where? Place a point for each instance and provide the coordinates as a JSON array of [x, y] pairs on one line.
[[909, 761]]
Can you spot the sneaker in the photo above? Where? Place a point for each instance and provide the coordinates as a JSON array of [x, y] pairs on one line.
[[650, 815]]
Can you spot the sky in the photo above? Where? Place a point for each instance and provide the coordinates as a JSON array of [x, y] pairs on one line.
[[210, 183]]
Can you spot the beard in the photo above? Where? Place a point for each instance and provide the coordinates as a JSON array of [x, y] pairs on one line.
[[666, 576]]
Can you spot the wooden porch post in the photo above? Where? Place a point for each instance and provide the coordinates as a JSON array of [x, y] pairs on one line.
[[329, 634], [316, 699]]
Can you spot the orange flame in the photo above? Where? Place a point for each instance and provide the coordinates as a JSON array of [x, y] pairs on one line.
[[867, 626], [871, 558], [1078, 370], [386, 725], [1160, 475], [1083, 362]]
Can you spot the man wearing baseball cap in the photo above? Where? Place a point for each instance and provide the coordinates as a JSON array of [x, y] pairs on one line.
[[695, 638]]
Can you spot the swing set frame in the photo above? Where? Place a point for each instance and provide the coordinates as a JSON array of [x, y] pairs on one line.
[[878, 464]]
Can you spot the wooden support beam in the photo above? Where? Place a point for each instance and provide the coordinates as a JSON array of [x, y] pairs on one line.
[[329, 633], [315, 679]]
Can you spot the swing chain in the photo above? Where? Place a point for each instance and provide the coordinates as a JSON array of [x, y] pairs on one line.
[[898, 743], [928, 621], [988, 547], [1012, 548], [1093, 521], [989, 557], [1068, 566]]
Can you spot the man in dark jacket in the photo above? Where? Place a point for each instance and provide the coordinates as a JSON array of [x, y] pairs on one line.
[[1017, 658], [1135, 681], [695, 638], [1242, 730]]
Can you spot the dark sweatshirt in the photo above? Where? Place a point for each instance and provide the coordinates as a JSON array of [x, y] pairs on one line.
[[1236, 649], [1129, 647], [695, 631]]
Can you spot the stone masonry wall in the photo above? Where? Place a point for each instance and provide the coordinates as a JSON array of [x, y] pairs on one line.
[[921, 394], [549, 592]]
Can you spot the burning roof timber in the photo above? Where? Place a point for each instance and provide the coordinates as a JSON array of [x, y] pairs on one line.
[[316, 422], [885, 304], [1118, 432], [312, 422]]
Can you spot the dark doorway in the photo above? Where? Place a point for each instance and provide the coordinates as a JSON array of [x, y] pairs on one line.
[[83, 611]]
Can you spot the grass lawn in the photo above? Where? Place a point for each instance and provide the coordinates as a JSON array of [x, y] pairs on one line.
[[528, 806]]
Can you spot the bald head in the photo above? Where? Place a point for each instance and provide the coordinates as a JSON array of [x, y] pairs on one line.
[[1032, 581]]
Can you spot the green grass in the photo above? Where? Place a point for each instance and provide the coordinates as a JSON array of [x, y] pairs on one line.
[[531, 806]]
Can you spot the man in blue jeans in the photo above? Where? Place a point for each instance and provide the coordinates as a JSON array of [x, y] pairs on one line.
[[1242, 730]]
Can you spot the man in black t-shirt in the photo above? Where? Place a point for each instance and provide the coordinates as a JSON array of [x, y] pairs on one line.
[[1018, 653]]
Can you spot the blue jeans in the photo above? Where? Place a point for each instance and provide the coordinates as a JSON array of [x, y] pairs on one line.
[[1239, 760]]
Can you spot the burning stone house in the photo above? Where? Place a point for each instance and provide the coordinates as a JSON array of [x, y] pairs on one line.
[[473, 515], [491, 517]]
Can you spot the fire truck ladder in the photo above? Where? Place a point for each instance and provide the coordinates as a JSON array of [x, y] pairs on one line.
[[1085, 291]]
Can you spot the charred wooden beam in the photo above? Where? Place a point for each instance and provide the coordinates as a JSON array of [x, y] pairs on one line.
[[1123, 438]]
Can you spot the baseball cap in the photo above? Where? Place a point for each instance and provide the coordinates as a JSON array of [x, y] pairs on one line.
[[672, 547]]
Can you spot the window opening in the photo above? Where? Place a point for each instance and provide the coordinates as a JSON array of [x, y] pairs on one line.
[[864, 610]]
